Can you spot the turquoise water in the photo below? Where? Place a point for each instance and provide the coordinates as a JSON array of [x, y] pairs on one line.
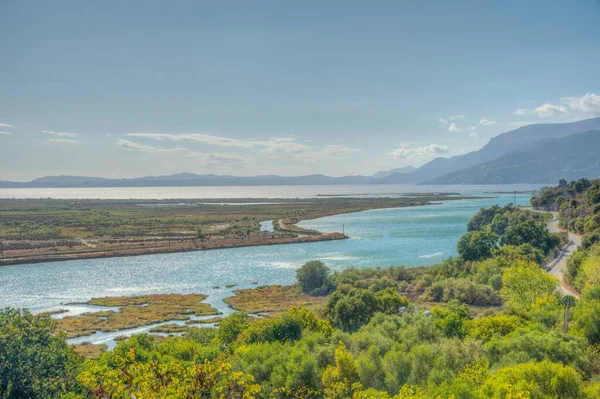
[[407, 236]]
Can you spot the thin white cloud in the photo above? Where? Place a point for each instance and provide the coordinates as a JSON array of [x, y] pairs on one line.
[[287, 145], [218, 159], [453, 128], [588, 104], [59, 134], [132, 146], [548, 109], [519, 124], [6, 125], [65, 141], [474, 135], [333, 151], [486, 122], [406, 151], [5, 133], [521, 112], [450, 118], [276, 146]]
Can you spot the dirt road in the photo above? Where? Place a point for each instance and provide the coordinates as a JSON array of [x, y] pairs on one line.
[[558, 265]]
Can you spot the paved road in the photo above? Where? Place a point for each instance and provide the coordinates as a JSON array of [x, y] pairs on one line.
[[558, 265]]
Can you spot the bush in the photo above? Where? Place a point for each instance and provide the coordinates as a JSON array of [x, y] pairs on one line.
[[231, 326], [349, 311], [313, 277], [34, 362], [477, 245], [542, 380], [463, 290]]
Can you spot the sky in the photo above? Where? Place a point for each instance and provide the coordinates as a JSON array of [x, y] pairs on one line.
[[136, 88]]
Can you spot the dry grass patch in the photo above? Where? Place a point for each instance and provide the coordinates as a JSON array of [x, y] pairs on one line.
[[90, 351], [136, 311], [274, 299], [170, 329]]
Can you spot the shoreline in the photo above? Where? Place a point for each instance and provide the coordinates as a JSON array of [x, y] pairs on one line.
[[282, 225], [162, 250]]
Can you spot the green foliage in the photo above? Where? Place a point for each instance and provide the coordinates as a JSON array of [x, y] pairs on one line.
[[485, 217], [477, 245], [587, 319], [350, 310], [34, 361], [127, 375], [463, 290], [485, 328], [282, 329], [231, 327], [509, 254], [313, 277], [525, 285], [450, 319], [542, 380], [389, 301], [337, 379], [532, 233]]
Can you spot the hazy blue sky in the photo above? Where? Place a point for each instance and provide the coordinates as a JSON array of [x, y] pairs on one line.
[[129, 88]]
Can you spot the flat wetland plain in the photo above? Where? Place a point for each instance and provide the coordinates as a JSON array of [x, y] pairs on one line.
[[42, 230]]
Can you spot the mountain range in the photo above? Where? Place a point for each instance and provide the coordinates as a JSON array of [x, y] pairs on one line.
[[541, 153]]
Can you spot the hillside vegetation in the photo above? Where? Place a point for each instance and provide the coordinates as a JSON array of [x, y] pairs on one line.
[[578, 206]]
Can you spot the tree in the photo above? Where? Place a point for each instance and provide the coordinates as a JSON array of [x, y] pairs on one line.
[[524, 284], [231, 326], [528, 232], [450, 319], [349, 311], [34, 361], [338, 380], [127, 376], [313, 277], [542, 380], [477, 245], [567, 301], [587, 320], [389, 301]]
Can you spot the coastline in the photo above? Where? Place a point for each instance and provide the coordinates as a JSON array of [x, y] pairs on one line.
[[285, 225], [173, 249]]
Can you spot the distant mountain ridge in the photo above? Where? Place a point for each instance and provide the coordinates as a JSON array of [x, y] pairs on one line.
[[186, 180], [547, 160], [541, 153], [495, 148], [384, 173]]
